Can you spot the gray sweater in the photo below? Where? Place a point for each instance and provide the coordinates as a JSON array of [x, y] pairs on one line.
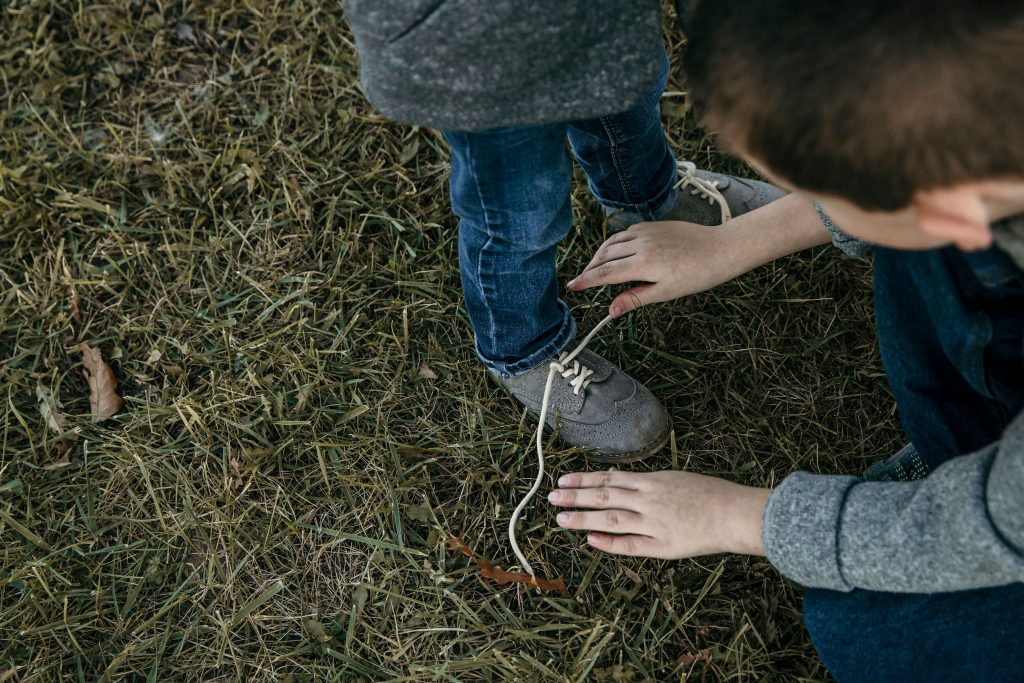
[[961, 527], [477, 64]]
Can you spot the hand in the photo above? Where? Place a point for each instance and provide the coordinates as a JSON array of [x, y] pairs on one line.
[[674, 259], [667, 514]]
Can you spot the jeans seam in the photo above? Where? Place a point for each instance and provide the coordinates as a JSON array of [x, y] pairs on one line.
[[609, 127], [491, 322], [975, 351]]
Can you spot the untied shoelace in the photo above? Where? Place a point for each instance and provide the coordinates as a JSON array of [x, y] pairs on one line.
[[581, 380]]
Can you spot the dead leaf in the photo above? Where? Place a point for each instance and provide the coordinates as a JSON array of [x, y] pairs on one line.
[[103, 399], [63, 449], [501, 577], [688, 658], [153, 356], [55, 419], [425, 372], [76, 312], [421, 513]]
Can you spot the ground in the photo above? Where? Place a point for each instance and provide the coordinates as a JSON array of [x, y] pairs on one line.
[[200, 191]]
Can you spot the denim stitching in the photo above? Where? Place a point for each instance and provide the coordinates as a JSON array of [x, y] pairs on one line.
[[974, 353], [609, 127], [491, 323]]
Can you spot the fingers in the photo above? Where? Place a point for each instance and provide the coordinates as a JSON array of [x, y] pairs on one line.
[[612, 264], [599, 498], [612, 250], [632, 544], [630, 300], [609, 273], [612, 478], [613, 521]]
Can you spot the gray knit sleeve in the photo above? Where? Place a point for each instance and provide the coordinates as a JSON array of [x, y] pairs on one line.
[[962, 527], [851, 246]]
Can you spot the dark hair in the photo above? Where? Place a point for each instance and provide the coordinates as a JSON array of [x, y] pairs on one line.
[[870, 100]]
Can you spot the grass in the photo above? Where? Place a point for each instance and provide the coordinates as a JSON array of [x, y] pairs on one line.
[[200, 191]]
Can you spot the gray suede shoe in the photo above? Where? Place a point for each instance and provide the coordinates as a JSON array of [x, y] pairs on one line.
[[707, 198], [596, 406]]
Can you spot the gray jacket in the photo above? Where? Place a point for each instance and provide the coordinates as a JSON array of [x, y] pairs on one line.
[[961, 527], [478, 64]]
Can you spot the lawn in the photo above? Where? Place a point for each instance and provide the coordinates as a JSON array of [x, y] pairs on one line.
[[268, 266]]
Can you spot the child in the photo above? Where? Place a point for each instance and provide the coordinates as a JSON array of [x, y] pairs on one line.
[[902, 123]]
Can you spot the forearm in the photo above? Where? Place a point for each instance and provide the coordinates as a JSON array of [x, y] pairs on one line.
[[959, 528], [783, 227]]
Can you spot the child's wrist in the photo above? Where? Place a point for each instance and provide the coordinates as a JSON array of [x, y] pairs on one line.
[[745, 517]]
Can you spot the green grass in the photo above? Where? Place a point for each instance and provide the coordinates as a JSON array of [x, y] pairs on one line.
[[268, 263]]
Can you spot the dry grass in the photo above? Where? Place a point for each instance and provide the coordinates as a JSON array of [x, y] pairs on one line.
[[199, 190]]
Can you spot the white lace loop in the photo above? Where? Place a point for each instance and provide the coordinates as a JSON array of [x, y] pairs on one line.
[[582, 378], [582, 373], [707, 189]]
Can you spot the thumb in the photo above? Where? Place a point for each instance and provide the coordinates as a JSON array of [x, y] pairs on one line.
[[629, 300]]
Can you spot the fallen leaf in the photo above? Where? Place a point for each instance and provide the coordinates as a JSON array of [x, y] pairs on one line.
[[631, 574], [153, 356], [421, 513], [55, 419], [103, 399], [688, 658], [63, 449], [425, 372], [501, 577], [76, 312]]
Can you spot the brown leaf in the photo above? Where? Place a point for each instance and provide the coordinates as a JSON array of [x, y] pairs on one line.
[[55, 419], [425, 372], [631, 574], [501, 577], [103, 399], [76, 312], [63, 449], [688, 658]]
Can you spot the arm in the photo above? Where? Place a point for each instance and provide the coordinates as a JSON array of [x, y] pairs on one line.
[[961, 527], [677, 259]]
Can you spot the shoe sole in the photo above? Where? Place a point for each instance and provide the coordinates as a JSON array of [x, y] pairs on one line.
[[633, 456]]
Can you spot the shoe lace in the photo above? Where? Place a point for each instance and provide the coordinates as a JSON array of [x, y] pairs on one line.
[[707, 189], [582, 378], [580, 373]]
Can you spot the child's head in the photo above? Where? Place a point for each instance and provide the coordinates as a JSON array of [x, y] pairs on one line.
[[904, 118]]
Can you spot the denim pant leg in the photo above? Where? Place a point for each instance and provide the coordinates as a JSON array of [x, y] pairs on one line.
[[510, 188], [626, 157], [949, 329], [867, 636]]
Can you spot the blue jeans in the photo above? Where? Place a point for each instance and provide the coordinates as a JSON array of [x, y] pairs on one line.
[[951, 332], [510, 188]]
